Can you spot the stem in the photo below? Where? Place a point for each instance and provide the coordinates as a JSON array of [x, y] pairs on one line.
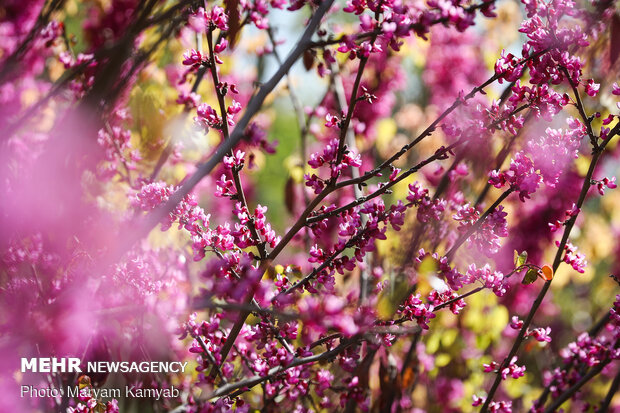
[[477, 224], [204, 348], [253, 381], [613, 390], [253, 107], [581, 110], [575, 387], [301, 222], [460, 297], [253, 306], [355, 173], [556, 263], [235, 171], [344, 127], [225, 147], [168, 13], [437, 155], [596, 328]]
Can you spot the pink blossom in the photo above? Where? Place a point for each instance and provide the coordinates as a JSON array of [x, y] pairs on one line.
[[571, 256], [414, 308], [592, 88], [521, 176], [192, 57], [541, 334], [490, 279], [234, 161], [515, 323], [606, 182]]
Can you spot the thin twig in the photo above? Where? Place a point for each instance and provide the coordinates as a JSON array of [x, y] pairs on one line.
[[355, 173], [253, 107], [556, 263], [254, 380], [575, 387], [580, 108], [240, 195], [439, 154], [478, 224], [613, 390]]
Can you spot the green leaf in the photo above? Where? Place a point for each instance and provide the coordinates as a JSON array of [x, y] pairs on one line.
[[522, 258], [516, 257], [530, 276]]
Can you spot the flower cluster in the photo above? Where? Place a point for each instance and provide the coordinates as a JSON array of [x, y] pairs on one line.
[[414, 309], [540, 334], [202, 20], [495, 407], [521, 176], [511, 369], [109, 112], [242, 233], [606, 182], [116, 142], [568, 214], [493, 280], [575, 259], [358, 228], [428, 209], [337, 159], [553, 152], [487, 238]]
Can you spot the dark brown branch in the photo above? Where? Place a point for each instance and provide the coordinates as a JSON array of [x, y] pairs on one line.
[[478, 224], [253, 381], [225, 147], [613, 390], [253, 107], [575, 387], [556, 263], [441, 152]]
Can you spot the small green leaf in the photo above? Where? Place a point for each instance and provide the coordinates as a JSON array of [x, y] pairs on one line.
[[522, 258], [516, 257], [530, 276]]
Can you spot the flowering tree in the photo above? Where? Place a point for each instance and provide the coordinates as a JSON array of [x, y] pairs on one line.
[[387, 216]]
